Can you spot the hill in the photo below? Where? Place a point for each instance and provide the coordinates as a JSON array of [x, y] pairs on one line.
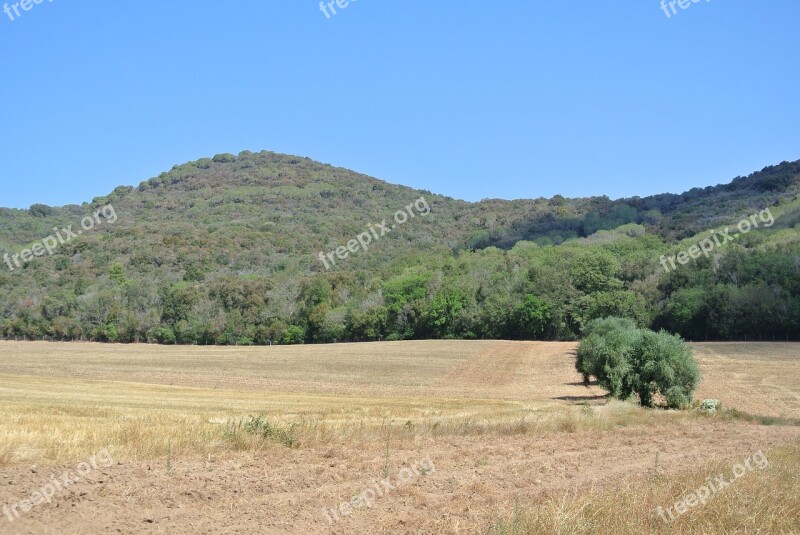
[[253, 249]]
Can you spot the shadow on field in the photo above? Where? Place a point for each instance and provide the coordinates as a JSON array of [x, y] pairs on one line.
[[581, 383], [582, 399]]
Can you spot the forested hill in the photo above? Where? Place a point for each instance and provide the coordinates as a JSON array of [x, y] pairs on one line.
[[227, 250]]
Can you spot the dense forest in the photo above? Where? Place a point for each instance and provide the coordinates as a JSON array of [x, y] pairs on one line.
[[225, 251]]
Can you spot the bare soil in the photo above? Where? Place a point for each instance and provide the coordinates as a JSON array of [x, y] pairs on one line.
[[476, 477], [285, 491]]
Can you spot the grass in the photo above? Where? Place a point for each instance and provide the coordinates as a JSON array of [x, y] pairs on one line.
[[60, 402], [260, 426], [757, 378], [736, 414], [48, 420], [764, 501]]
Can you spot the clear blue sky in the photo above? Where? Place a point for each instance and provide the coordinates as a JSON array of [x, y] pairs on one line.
[[472, 99]]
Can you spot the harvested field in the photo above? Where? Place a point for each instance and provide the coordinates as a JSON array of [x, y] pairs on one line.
[[501, 422]]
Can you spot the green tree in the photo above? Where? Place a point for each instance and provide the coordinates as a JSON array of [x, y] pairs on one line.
[[626, 360], [294, 334], [111, 333], [178, 301], [529, 320], [605, 353], [443, 313], [117, 273], [664, 364]]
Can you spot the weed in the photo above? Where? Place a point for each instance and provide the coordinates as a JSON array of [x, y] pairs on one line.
[[261, 427]]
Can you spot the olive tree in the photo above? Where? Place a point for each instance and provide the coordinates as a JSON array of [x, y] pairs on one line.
[[626, 360]]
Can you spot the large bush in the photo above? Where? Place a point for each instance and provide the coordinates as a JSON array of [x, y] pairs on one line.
[[626, 360]]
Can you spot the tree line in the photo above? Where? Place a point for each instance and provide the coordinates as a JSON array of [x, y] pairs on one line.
[[530, 292]]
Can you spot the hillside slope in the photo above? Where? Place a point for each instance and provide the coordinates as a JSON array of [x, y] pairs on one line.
[[227, 250]]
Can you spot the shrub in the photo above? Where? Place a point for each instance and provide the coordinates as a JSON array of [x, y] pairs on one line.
[[224, 158], [626, 360], [165, 335], [40, 210], [260, 426], [111, 333], [294, 335], [710, 405]]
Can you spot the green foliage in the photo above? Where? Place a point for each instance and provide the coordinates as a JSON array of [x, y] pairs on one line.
[[603, 326], [224, 251], [165, 335], [111, 333], [627, 361], [178, 302], [293, 335], [40, 210], [443, 313], [530, 319], [117, 273], [607, 354], [262, 427], [665, 365], [224, 158]]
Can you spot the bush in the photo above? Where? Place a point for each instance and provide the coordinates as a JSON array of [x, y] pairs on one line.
[[40, 210], [260, 426], [294, 335], [710, 406], [111, 333], [165, 335], [626, 360], [224, 158]]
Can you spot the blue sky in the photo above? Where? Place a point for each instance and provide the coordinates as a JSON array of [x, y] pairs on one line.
[[472, 99]]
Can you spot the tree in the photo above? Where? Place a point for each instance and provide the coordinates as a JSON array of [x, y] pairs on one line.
[[664, 364], [618, 303], [117, 273], [606, 354], [530, 319], [626, 360], [178, 302], [596, 272], [293, 335], [40, 210], [111, 333], [444, 311]]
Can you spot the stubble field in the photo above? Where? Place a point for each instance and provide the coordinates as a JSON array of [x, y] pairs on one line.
[[261, 440]]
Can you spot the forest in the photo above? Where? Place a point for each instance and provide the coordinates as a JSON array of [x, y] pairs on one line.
[[224, 251]]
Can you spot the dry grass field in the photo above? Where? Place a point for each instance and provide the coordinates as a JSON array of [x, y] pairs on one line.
[[260, 440]]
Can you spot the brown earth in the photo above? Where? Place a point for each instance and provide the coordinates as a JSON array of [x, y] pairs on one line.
[[477, 475], [285, 491]]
